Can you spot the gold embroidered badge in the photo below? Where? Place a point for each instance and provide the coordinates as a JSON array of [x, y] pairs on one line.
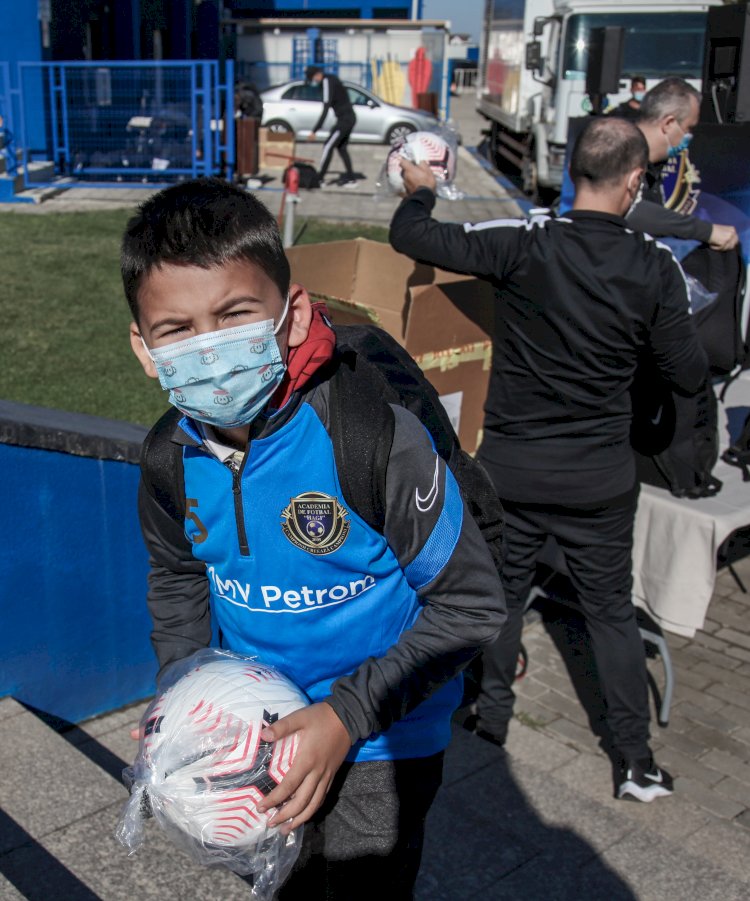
[[315, 522]]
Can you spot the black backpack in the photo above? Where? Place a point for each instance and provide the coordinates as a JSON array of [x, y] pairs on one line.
[[675, 438], [720, 325], [308, 175], [370, 370]]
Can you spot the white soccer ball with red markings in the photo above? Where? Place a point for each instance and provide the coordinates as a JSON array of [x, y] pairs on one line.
[[207, 765], [421, 147]]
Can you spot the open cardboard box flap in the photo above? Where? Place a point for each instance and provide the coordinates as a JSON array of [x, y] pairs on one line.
[[443, 319]]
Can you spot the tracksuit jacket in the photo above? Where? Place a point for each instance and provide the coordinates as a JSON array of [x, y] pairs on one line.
[[335, 97], [582, 300], [376, 625]]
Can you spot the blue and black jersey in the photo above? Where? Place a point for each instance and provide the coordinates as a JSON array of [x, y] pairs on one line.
[[378, 625]]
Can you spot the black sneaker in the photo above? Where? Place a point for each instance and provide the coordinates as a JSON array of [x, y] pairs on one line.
[[642, 780]]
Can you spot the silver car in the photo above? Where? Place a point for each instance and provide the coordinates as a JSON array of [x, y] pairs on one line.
[[296, 107]]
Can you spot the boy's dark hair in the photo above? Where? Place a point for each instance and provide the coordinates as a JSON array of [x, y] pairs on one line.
[[606, 150], [312, 70], [640, 79], [206, 222], [669, 97]]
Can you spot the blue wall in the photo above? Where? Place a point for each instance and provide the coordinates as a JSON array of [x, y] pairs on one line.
[[75, 630]]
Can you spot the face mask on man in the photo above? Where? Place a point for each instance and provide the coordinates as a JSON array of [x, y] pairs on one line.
[[638, 96], [224, 378], [676, 149]]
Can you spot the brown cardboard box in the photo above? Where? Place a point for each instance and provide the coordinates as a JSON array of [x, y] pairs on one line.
[[444, 320], [275, 150]]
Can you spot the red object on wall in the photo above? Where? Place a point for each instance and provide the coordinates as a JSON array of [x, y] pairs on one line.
[[420, 73]]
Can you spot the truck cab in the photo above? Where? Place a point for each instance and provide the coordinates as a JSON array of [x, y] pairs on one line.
[[533, 79]]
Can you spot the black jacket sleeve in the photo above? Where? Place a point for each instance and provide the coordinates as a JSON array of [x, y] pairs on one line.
[[327, 103], [463, 602], [486, 251], [178, 592], [660, 222]]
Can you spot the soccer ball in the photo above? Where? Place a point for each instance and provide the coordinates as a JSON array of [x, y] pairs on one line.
[[206, 767], [418, 147]]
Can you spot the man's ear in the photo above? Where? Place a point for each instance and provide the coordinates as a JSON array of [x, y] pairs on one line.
[[300, 315], [139, 349], [635, 178]]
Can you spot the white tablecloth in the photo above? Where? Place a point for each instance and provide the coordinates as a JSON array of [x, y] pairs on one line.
[[675, 541]]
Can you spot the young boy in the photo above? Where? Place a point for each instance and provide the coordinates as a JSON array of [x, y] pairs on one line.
[[374, 627]]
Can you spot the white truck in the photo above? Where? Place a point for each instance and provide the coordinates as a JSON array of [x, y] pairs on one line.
[[533, 70]]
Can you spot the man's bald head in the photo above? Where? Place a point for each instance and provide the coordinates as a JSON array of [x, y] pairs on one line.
[[607, 150]]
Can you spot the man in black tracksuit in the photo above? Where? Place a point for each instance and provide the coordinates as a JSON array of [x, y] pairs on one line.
[[581, 300], [335, 97]]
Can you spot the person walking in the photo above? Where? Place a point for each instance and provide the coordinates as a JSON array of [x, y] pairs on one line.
[[336, 98]]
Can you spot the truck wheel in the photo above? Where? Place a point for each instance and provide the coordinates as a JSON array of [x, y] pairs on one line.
[[529, 180]]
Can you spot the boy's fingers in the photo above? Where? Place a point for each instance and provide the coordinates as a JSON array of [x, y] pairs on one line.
[[283, 791], [135, 733], [283, 727]]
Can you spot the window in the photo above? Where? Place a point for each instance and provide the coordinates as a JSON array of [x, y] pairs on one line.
[[656, 44], [357, 98], [303, 92]]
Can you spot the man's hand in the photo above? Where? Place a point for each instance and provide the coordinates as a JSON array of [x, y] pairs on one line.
[[417, 176], [311, 136], [723, 237], [323, 745]]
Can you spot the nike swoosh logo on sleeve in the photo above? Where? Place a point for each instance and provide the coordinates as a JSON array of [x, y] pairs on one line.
[[428, 501]]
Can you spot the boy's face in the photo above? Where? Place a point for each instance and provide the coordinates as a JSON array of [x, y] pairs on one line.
[[178, 302]]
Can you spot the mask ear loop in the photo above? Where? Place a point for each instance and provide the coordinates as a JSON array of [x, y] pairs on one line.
[[145, 347], [283, 315]]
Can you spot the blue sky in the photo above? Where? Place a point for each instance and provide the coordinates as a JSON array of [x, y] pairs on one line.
[[465, 16]]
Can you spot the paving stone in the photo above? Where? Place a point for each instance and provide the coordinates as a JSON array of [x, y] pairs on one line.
[[719, 674], [536, 748], [721, 841], [711, 641], [744, 819], [534, 714], [705, 797], [679, 764], [738, 715], [738, 653], [66, 785], [696, 713], [742, 734], [727, 764], [744, 670], [730, 695], [734, 637], [692, 679], [570, 732], [692, 654], [529, 687], [570, 709], [692, 699], [124, 719], [713, 739], [658, 871], [9, 708], [8, 892], [736, 791], [668, 738], [710, 626]]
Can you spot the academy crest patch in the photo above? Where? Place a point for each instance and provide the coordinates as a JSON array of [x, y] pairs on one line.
[[315, 522]]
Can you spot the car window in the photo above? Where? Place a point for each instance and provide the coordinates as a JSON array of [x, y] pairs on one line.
[[356, 97], [303, 92]]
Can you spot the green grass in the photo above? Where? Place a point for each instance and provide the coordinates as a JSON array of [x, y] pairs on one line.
[[65, 318]]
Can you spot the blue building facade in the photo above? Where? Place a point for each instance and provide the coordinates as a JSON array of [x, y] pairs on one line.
[[52, 30]]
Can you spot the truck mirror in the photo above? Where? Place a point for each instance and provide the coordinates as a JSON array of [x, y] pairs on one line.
[[534, 56], [539, 24]]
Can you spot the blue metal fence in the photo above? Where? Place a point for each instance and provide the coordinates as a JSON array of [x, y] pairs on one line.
[[7, 129], [126, 123]]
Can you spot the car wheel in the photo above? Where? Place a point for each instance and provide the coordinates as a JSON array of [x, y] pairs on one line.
[[398, 131], [279, 127]]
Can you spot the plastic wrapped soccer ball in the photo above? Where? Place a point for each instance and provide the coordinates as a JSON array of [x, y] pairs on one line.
[[418, 147], [202, 767]]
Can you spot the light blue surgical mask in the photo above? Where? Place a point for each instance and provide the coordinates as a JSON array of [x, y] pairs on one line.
[[638, 96], [676, 150], [224, 378]]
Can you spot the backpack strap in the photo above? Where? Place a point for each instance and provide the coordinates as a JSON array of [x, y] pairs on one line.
[[362, 426], [161, 466]]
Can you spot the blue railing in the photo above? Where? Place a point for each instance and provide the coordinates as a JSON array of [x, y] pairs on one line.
[[126, 123]]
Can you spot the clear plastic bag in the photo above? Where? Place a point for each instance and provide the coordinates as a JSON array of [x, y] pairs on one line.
[[698, 295], [438, 147], [202, 767]]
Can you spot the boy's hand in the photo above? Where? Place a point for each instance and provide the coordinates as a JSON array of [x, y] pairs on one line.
[[417, 176], [323, 745]]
